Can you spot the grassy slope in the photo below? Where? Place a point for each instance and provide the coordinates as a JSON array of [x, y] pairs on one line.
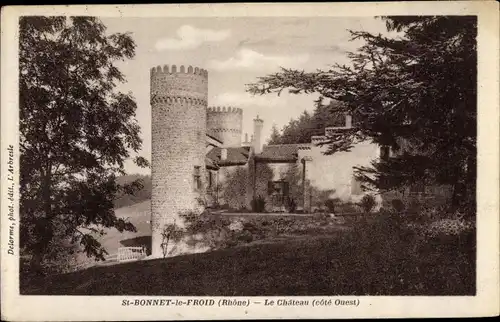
[[301, 266]]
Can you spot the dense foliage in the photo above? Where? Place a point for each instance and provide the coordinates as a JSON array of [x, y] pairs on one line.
[[306, 125], [76, 131], [415, 93]]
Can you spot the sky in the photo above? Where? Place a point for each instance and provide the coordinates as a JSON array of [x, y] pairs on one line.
[[236, 51]]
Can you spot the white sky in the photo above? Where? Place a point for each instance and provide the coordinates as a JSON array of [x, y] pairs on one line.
[[235, 51]]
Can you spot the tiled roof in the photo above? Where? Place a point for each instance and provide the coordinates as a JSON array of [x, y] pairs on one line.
[[280, 152], [235, 156]]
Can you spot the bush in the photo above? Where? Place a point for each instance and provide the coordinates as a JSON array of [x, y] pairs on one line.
[[450, 227], [214, 229], [170, 234], [414, 206], [398, 205], [367, 203], [347, 207], [330, 204], [245, 236], [258, 204], [292, 206]]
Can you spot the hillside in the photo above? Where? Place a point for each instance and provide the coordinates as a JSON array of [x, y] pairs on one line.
[[141, 195], [138, 214]]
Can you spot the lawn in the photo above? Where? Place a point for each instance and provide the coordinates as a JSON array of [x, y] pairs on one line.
[[345, 263]]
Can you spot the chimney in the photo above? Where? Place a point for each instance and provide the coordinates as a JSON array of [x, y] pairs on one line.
[[246, 137], [348, 121], [223, 154], [257, 134]]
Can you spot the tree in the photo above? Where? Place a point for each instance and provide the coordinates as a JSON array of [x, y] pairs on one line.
[[275, 135], [307, 125], [76, 131], [416, 90]]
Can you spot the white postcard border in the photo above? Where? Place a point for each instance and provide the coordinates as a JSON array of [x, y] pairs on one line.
[[73, 308]]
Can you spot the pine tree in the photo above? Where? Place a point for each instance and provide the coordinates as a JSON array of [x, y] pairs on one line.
[[275, 137]]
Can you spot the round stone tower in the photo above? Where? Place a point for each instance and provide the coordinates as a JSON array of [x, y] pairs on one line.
[[225, 124], [178, 124]]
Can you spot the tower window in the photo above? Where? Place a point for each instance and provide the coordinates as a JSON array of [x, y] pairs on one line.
[[197, 178]]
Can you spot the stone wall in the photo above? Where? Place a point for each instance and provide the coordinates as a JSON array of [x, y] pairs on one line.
[[225, 124], [178, 113]]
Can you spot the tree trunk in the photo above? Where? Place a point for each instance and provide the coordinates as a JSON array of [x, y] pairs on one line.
[[43, 226]]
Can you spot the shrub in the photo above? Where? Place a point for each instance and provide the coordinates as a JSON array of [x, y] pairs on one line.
[[450, 227], [347, 207], [245, 236], [213, 228], [367, 203], [330, 204], [170, 233], [258, 204], [292, 206], [414, 206], [398, 205]]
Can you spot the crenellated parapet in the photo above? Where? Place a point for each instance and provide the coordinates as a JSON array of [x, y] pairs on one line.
[[167, 70], [173, 81], [225, 123], [224, 109], [225, 130], [177, 100]]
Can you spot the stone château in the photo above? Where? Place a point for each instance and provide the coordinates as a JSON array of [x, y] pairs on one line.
[[199, 159]]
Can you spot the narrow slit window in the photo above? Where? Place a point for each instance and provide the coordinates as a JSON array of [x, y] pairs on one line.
[[197, 178]]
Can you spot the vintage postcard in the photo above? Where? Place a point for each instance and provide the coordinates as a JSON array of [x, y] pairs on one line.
[[250, 161]]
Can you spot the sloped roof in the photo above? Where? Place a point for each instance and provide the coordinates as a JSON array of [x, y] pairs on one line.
[[211, 164], [235, 156], [213, 137], [280, 152]]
